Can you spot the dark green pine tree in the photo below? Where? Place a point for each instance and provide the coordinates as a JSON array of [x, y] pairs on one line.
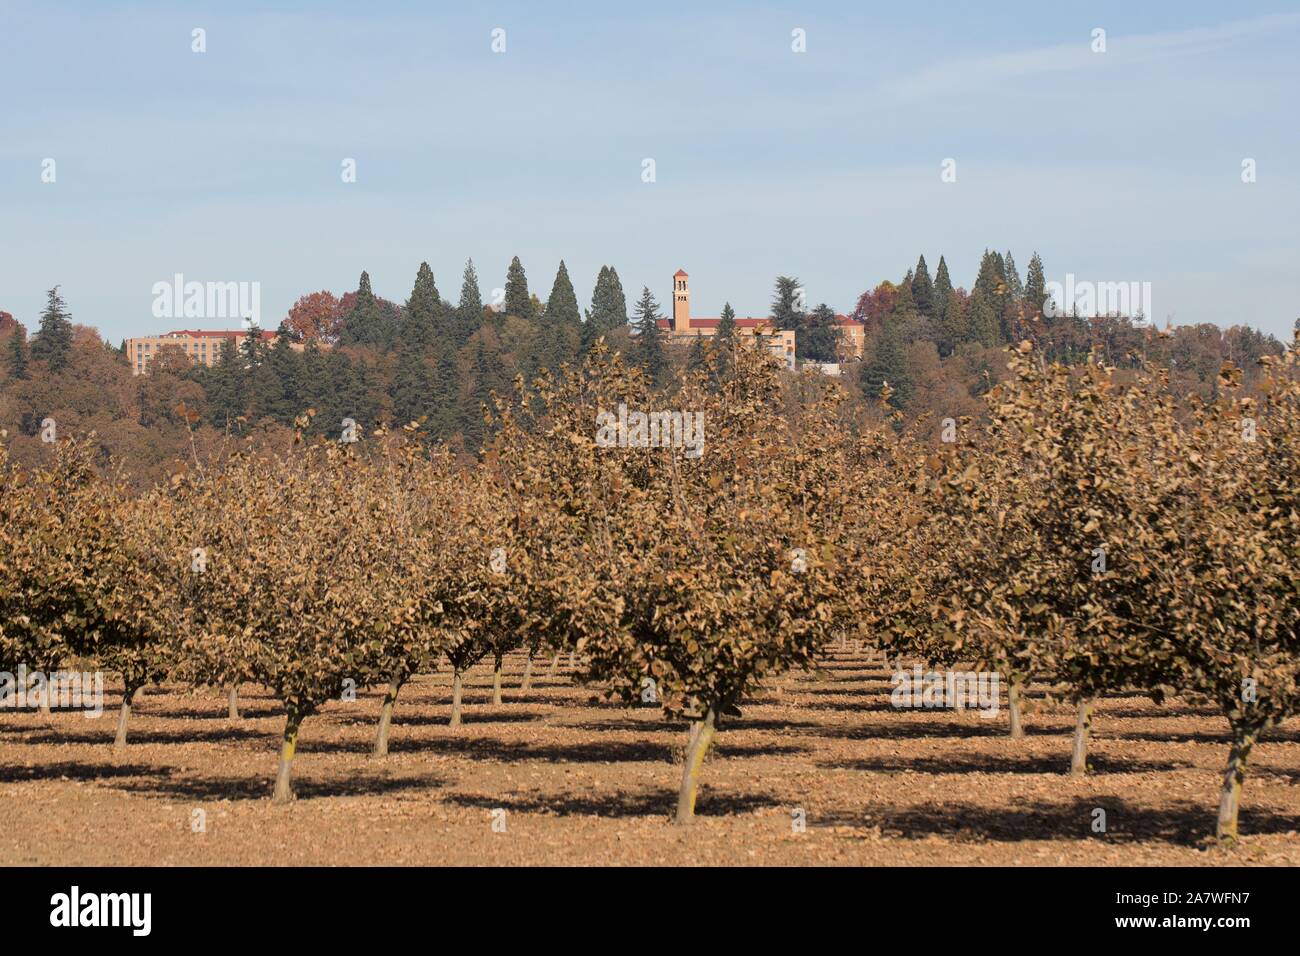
[[727, 324], [445, 411], [987, 297], [412, 385], [287, 398], [889, 364], [1015, 288], [16, 355], [469, 311], [423, 320], [561, 323], [951, 330], [225, 387], [697, 357], [487, 375], [518, 301], [252, 349], [264, 392], [923, 289], [822, 336], [315, 392], [608, 308], [53, 342], [364, 325], [942, 290], [787, 308], [346, 393], [648, 348], [1035, 288]]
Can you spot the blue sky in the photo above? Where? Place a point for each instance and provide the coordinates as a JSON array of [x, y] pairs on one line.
[[225, 165]]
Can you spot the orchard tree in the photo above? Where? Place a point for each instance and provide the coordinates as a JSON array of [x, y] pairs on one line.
[[689, 573]]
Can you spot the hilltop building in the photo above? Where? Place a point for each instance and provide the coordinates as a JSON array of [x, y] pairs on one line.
[[779, 342], [203, 347]]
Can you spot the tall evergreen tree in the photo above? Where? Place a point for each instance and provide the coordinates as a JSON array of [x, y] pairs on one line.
[[1015, 288], [53, 342], [445, 388], [365, 324], [561, 323], [412, 385], [889, 364], [518, 301], [469, 311], [648, 349], [288, 399], [951, 329], [608, 308], [16, 355], [487, 374], [727, 324], [1035, 288], [424, 320], [987, 301], [225, 387], [942, 290], [923, 289], [822, 336], [787, 309]]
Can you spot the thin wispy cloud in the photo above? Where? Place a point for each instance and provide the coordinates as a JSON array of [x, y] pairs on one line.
[[967, 75]]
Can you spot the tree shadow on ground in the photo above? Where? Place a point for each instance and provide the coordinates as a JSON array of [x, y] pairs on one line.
[[408, 719], [912, 730], [1056, 765], [854, 706], [305, 786], [659, 803], [1155, 713], [136, 736], [78, 770], [1182, 823], [191, 713]]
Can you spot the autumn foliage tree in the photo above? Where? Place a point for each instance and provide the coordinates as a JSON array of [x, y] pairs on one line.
[[692, 571]]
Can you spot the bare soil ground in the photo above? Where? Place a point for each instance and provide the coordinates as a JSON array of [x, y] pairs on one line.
[[582, 781]]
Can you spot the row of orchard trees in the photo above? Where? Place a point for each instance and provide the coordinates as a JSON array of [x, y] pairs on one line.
[[1103, 535], [1098, 534]]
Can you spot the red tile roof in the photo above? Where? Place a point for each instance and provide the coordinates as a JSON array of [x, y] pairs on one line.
[[217, 333], [679, 272], [749, 322]]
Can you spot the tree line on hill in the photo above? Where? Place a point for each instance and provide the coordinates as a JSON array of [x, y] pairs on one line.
[[374, 361]]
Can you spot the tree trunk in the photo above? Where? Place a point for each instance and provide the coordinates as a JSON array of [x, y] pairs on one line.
[[496, 682], [1233, 777], [1013, 704], [528, 673], [701, 738], [1082, 730], [386, 717], [455, 699], [283, 791], [234, 702], [555, 662], [119, 742], [137, 696], [573, 660]]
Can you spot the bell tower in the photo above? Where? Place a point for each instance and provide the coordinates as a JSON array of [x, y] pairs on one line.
[[681, 302]]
